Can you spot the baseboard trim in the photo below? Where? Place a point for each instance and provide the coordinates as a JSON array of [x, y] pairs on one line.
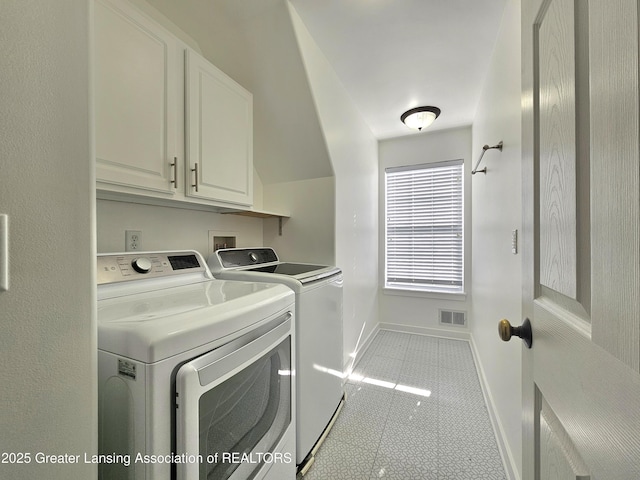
[[360, 350], [505, 452]]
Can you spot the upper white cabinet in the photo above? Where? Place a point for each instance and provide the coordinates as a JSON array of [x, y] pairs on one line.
[[218, 134], [136, 99], [170, 126]]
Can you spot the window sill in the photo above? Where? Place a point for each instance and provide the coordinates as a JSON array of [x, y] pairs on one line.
[[456, 297]]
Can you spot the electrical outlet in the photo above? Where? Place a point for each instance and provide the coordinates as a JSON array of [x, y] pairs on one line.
[[132, 240]]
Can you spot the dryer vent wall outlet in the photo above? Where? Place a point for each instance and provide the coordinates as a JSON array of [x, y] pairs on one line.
[[133, 240], [219, 239]]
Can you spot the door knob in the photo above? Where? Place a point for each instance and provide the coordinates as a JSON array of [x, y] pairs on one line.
[[506, 331]]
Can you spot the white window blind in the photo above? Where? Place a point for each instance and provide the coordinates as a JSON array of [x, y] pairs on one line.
[[424, 226]]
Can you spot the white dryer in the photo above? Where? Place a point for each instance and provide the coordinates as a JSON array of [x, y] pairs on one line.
[[319, 351], [195, 374]]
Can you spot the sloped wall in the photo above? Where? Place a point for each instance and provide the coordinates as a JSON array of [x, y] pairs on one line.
[[354, 156]]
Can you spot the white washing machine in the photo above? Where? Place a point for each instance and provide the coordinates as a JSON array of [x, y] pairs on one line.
[[195, 375], [319, 352]]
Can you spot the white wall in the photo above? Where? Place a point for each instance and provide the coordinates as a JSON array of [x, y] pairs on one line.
[[353, 153], [165, 228], [48, 342], [496, 272], [308, 236], [420, 310]]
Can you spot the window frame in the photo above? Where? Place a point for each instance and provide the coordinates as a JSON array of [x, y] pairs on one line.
[[416, 289]]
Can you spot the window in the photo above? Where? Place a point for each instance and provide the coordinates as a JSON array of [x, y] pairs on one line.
[[424, 226]]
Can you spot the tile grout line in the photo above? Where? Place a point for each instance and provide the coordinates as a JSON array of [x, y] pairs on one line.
[[375, 457], [440, 356]]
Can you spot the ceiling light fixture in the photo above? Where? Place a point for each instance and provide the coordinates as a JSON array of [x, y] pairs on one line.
[[420, 117]]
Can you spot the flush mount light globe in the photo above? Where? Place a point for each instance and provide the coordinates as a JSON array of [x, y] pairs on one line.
[[420, 117]]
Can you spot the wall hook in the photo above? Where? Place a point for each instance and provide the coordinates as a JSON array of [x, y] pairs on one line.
[[484, 149]]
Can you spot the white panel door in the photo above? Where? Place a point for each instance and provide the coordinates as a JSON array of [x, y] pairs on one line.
[[136, 68], [219, 134], [581, 183]]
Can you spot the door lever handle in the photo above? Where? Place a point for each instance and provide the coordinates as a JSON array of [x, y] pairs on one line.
[[506, 331]]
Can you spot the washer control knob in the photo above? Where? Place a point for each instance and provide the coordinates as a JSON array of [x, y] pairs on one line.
[[141, 265], [253, 257]]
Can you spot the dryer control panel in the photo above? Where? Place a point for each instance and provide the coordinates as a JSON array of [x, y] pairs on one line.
[[122, 267]]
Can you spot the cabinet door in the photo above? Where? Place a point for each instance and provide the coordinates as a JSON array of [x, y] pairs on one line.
[[136, 71], [219, 134]]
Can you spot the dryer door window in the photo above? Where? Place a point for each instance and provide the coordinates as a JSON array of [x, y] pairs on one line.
[[234, 407]]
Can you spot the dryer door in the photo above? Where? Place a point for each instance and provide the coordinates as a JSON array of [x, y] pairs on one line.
[[234, 404]]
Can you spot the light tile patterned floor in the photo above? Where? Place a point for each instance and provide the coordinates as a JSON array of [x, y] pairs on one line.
[[440, 431]]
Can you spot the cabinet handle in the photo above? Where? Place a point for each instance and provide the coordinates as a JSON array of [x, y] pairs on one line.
[[175, 172], [196, 172]]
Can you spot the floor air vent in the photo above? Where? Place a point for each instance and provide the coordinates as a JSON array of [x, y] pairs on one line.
[[452, 317]]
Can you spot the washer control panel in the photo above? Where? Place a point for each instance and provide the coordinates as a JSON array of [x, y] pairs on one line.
[[242, 257], [142, 265], [124, 267]]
